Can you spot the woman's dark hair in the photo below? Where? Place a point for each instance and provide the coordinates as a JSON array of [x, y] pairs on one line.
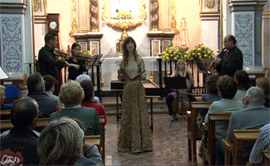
[[88, 90], [227, 87], [74, 45], [242, 80], [49, 82], [125, 51], [211, 84]]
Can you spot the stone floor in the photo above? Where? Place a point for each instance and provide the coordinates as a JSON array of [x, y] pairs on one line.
[[169, 144]]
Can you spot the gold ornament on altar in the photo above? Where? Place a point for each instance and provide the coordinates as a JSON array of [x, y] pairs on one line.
[[124, 18]]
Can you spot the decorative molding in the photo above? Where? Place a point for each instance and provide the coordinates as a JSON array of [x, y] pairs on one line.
[[173, 20], [13, 8], [244, 33], [74, 24], [12, 44]]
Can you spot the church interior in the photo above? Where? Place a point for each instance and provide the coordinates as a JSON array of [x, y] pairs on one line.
[[161, 30]]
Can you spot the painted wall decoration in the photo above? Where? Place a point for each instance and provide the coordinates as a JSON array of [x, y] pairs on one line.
[[12, 44], [243, 31]]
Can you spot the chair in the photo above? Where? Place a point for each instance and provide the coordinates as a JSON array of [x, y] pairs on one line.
[[12, 93]]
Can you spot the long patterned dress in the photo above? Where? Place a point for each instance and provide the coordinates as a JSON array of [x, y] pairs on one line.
[[135, 134]]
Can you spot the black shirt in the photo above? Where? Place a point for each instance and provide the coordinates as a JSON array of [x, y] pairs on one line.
[[47, 62], [73, 72], [230, 62], [19, 147]]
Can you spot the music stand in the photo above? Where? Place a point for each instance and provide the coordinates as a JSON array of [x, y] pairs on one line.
[[175, 82], [200, 65]]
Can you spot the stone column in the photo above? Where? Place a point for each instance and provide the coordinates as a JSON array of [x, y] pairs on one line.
[[246, 26], [210, 20], [266, 35], [16, 37]]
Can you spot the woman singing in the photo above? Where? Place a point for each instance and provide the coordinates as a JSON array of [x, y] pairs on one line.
[[135, 134]]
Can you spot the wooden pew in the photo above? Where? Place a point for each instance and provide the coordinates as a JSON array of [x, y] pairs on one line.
[[94, 139], [266, 158], [194, 133], [6, 124], [102, 125], [210, 135], [5, 114], [237, 147]]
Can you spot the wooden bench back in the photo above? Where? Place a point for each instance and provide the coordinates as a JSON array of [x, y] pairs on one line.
[[237, 147], [210, 135], [6, 124]]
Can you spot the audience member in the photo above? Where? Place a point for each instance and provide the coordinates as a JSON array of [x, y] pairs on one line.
[[19, 146], [226, 88], [82, 77], [261, 144], [88, 100], [90, 150], [49, 88], [61, 143], [264, 84], [253, 116], [210, 95], [72, 94], [211, 89], [243, 84], [36, 89]]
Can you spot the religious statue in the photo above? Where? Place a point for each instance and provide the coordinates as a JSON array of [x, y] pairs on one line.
[[94, 15], [154, 15]]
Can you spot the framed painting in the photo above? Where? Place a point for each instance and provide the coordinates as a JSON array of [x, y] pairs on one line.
[[155, 47], [94, 47]]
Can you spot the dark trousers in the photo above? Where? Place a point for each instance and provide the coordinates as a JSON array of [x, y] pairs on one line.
[[220, 151], [169, 102]]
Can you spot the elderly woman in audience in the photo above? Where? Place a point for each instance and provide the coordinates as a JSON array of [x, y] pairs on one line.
[[82, 77], [89, 101], [264, 84], [72, 94], [210, 95], [243, 84], [90, 150], [226, 88], [61, 143]]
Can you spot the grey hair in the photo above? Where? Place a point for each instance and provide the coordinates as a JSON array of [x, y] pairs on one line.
[[61, 143], [82, 77], [255, 94]]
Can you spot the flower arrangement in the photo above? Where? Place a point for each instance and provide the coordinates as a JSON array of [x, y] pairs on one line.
[[86, 52], [123, 14], [173, 54], [200, 51]]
